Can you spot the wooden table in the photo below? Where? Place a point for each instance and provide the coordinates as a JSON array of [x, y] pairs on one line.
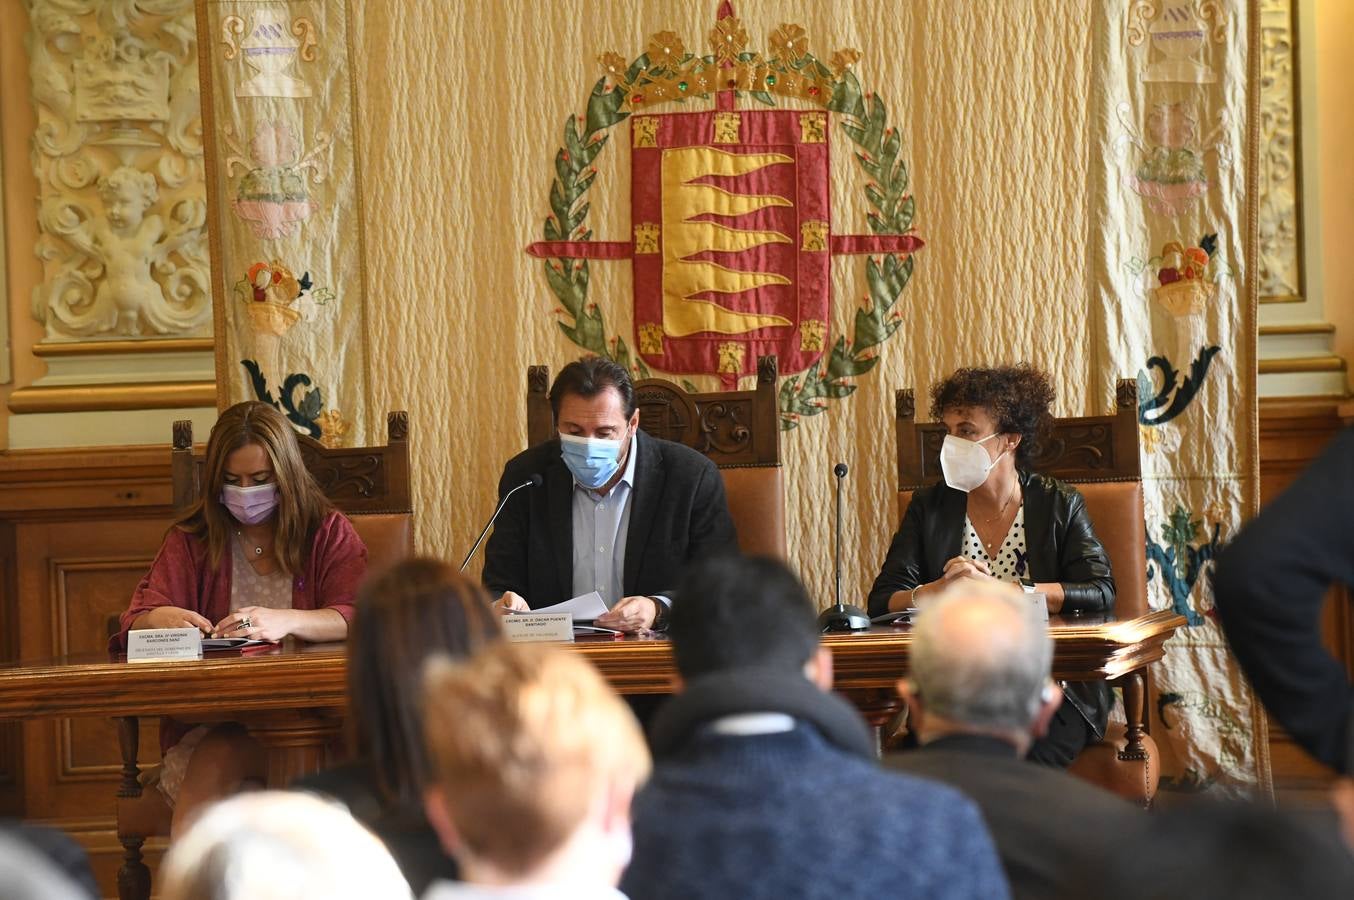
[[293, 695]]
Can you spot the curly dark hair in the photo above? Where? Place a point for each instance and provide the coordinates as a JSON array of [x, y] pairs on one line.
[[1018, 397]]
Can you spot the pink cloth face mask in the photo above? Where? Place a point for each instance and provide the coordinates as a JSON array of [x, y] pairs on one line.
[[250, 505]]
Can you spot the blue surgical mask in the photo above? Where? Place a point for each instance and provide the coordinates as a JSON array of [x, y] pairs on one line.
[[593, 461]]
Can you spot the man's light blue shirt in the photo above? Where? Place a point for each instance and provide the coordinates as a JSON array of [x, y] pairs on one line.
[[600, 526]]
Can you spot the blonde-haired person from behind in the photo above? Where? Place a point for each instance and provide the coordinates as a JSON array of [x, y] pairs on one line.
[[278, 845], [534, 762]]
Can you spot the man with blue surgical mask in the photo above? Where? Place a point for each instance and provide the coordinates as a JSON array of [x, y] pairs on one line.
[[618, 512]]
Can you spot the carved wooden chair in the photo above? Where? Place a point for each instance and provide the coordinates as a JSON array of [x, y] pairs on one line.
[[371, 486], [738, 430], [1098, 454]]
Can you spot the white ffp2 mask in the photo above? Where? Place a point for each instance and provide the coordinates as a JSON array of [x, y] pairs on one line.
[[965, 463]]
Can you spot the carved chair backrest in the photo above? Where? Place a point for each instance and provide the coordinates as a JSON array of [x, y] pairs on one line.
[[738, 430], [369, 484], [1098, 454]]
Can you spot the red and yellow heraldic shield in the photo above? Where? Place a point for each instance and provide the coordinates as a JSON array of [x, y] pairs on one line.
[[731, 213], [731, 209]]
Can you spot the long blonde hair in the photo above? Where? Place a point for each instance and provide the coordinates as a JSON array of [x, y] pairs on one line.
[[302, 507]]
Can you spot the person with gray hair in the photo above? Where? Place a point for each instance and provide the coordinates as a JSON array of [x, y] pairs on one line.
[[979, 693], [985, 657], [279, 845], [27, 874]]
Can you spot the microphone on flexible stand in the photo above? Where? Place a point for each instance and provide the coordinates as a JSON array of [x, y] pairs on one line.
[[534, 481], [841, 616]]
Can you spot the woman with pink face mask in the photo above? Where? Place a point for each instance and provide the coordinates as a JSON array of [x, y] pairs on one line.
[[992, 517], [263, 554]]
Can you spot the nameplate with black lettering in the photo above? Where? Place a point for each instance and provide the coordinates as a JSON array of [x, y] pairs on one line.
[[160, 644], [525, 627]]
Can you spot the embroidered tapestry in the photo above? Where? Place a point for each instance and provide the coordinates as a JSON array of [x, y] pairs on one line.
[[286, 229]]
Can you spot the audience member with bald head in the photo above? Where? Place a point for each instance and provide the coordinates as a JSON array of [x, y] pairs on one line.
[[534, 761], [979, 694], [984, 658]]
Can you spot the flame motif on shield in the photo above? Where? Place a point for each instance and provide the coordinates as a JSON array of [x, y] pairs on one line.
[[730, 195]]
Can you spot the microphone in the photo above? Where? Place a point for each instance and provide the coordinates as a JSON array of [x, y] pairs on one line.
[[534, 481], [841, 616]]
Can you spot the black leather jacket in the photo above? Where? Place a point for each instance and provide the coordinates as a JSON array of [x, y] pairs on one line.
[[1060, 545]]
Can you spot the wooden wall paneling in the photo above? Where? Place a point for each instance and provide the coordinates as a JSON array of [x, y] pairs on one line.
[[1292, 434], [11, 762], [78, 528], [73, 578], [63, 485]]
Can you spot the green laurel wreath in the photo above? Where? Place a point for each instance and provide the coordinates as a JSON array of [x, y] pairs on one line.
[[892, 211]]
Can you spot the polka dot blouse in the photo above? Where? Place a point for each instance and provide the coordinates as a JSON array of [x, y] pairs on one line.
[[1009, 563]]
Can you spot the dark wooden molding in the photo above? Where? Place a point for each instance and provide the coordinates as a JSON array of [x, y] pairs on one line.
[[397, 426], [540, 417], [767, 370], [183, 434], [904, 403]]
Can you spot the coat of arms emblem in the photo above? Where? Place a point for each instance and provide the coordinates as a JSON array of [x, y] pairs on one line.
[[731, 236]]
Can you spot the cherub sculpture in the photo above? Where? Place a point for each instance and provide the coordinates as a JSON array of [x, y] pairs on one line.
[[130, 246]]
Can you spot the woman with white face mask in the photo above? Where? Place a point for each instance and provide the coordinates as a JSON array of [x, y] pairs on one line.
[[993, 518], [262, 554]]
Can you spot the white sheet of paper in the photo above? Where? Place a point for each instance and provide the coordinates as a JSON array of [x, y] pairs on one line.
[[595, 629], [584, 608]]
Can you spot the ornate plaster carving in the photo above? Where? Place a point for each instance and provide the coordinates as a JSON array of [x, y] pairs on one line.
[[118, 158], [1280, 211]]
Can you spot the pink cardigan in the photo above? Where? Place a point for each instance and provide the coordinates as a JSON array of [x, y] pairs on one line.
[[182, 576]]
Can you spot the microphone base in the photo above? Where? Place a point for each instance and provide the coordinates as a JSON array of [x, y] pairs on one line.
[[844, 617]]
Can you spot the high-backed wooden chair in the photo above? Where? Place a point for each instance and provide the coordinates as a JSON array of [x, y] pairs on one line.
[[738, 430], [368, 484], [1099, 455]]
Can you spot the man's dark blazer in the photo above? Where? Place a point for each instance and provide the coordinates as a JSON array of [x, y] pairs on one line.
[[678, 514], [1046, 823]]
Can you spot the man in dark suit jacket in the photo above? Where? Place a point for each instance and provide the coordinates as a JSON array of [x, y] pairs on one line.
[[618, 511], [978, 695]]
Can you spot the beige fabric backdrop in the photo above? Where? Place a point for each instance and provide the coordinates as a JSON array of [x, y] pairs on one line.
[[1008, 116], [459, 133]]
